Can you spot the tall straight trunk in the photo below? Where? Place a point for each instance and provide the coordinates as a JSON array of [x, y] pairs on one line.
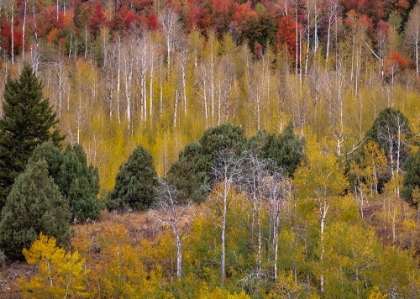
[[212, 85], [151, 86], [276, 237], [24, 30], [323, 208], [35, 53], [160, 89], [118, 79], [176, 102], [206, 110], [178, 253], [12, 32], [223, 234], [86, 42], [417, 56], [184, 77]]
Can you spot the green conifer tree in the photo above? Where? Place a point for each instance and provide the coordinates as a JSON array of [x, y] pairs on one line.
[[79, 184], [34, 205], [285, 150], [28, 120], [135, 183], [411, 180]]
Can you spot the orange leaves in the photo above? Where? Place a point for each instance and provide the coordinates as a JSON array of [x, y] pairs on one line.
[[399, 60], [395, 63], [52, 35], [286, 35]]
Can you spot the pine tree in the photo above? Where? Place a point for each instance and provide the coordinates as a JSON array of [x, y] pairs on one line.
[[79, 183], [34, 205], [76, 181], [286, 149], [135, 183], [28, 120], [411, 182], [52, 155]]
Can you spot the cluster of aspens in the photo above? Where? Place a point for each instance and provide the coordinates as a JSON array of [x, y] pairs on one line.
[[258, 234]]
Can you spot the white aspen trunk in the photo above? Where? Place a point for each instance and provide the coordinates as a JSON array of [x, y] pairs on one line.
[[398, 166], [223, 234], [276, 237], [258, 102], [316, 42], [111, 93], [183, 63], [86, 42], [176, 108], [296, 40], [327, 54], [161, 90], [118, 79], [12, 31], [143, 109], [259, 254], [179, 254], [79, 117], [352, 59], [416, 54], [206, 110], [151, 86], [145, 98], [128, 75], [323, 209], [300, 57], [219, 101], [24, 30], [57, 9], [212, 87], [308, 33]]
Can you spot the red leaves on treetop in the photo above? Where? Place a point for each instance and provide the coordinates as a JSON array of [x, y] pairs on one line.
[[124, 20], [152, 22], [97, 20], [399, 60], [6, 35], [286, 35]]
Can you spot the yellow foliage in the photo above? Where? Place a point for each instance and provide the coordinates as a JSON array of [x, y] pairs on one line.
[[218, 293], [376, 294], [60, 274], [122, 274]]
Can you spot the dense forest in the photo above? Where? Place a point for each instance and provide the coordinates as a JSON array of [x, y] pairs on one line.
[[211, 149]]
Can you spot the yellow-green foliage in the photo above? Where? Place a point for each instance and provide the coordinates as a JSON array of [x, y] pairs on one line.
[[60, 274]]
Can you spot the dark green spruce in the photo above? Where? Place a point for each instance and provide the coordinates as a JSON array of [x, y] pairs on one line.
[[28, 120], [135, 183]]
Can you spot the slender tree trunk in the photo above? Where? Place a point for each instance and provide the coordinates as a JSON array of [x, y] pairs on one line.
[[24, 30], [223, 234], [151, 86], [176, 108], [12, 32], [118, 79]]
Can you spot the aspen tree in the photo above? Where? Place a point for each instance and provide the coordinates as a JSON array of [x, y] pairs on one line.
[[226, 172], [320, 179], [412, 33], [169, 211]]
